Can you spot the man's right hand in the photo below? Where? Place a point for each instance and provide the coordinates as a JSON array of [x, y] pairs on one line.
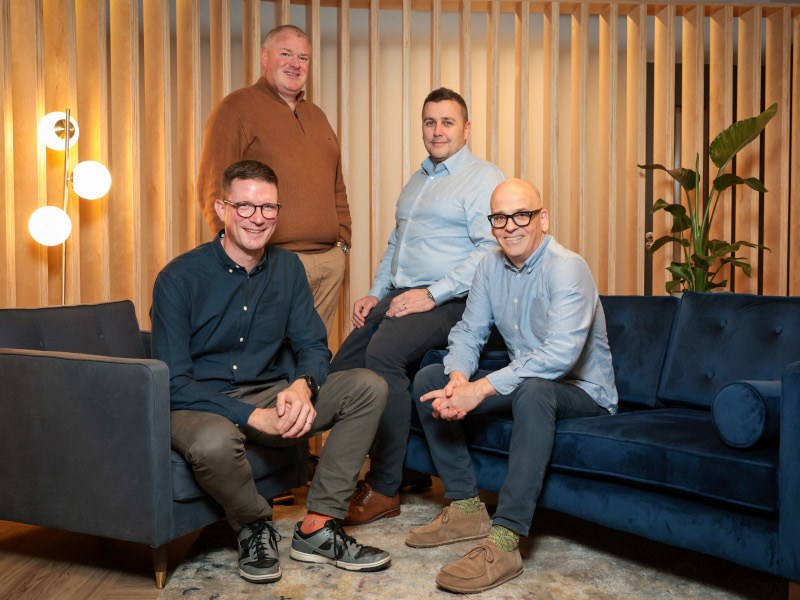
[[265, 420], [361, 309]]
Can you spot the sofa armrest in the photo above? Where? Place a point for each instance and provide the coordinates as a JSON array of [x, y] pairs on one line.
[[85, 444], [789, 474]]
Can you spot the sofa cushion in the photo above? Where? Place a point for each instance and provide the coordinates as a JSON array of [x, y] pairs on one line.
[[747, 413], [638, 333], [720, 338], [107, 329]]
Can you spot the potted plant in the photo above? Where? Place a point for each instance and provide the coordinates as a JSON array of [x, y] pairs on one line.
[[703, 258]]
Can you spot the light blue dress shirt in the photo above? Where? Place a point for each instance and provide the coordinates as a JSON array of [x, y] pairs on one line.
[[441, 229], [549, 315]]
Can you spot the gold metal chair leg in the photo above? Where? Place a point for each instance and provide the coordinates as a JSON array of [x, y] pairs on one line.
[[160, 565]]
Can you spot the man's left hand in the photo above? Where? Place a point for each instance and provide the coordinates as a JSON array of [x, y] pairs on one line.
[[454, 402], [296, 413], [410, 302]]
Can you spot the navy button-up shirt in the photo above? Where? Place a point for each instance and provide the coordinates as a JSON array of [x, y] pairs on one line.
[[219, 327]]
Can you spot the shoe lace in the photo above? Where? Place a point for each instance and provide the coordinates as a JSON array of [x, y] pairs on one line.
[[485, 550], [264, 534], [341, 541]]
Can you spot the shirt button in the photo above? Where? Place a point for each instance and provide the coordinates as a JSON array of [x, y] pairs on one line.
[[235, 367], [230, 270], [241, 339], [515, 300], [245, 308], [516, 326]]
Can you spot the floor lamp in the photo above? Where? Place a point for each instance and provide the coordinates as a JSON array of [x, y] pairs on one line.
[[50, 225]]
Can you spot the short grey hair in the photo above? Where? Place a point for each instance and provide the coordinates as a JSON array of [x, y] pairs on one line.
[[280, 29]]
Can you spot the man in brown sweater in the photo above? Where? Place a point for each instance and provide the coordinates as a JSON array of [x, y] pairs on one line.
[[271, 122]]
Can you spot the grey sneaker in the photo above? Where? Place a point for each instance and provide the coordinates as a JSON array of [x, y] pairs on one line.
[[258, 552], [332, 545]]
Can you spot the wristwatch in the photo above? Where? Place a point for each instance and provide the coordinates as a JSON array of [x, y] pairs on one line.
[[345, 248], [312, 385], [430, 296]]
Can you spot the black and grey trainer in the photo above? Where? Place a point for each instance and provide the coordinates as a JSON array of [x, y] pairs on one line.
[[332, 545], [258, 552]]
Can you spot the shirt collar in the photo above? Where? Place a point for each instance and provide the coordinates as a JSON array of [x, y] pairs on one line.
[[533, 260], [449, 166], [230, 265], [270, 89]]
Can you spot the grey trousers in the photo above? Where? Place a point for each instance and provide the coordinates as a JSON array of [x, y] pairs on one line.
[[388, 346], [536, 406], [350, 404]]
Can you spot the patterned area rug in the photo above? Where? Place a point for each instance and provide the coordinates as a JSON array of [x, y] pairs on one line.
[[565, 559]]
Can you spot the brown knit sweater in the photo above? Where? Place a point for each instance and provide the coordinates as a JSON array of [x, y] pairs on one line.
[[255, 123]]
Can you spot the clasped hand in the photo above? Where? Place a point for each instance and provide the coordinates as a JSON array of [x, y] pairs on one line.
[[459, 397], [292, 416]]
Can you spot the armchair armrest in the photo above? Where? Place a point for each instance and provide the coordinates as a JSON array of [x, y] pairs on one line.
[[85, 444], [789, 474]]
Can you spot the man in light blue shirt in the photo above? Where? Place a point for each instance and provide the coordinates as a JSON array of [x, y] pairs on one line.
[[419, 289], [545, 304]]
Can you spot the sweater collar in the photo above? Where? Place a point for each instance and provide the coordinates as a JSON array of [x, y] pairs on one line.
[[271, 90]]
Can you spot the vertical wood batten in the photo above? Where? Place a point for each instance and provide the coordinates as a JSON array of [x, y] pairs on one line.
[[794, 167], [189, 136], [405, 108], [220, 42], [343, 126], [522, 41], [27, 85], [663, 135], [635, 108], [8, 230], [157, 163], [436, 46], [251, 41], [283, 12], [58, 37], [748, 101], [578, 239], [720, 116], [92, 90], [314, 85], [465, 49], [605, 273], [493, 83], [124, 157], [776, 153], [550, 56], [374, 136]]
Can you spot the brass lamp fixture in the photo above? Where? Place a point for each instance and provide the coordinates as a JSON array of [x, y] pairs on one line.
[[50, 225]]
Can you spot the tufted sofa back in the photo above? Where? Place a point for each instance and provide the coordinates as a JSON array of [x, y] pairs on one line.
[[107, 329], [721, 337]]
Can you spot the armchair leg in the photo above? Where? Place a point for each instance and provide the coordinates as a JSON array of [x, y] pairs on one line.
[[160, 565]]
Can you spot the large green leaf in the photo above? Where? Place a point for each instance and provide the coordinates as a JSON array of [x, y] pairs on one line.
[[685, 177], [727, 180], [665, 240], [737, 136]]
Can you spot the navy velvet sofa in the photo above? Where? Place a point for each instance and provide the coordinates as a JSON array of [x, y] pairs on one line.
[[84, 432], [705, 451]]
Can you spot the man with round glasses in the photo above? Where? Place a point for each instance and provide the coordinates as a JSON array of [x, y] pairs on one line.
[[272, 122], [222, 314], [419, 290], [544, 302]]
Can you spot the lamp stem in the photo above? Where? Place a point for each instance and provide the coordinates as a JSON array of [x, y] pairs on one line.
[[66, 198]]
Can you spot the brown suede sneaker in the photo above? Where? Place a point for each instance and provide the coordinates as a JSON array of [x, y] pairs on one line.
[[482, 568], [367, 506], [450, 525]]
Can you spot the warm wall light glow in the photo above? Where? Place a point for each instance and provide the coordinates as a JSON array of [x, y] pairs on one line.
[[91, 180], [49, 225], [51, 130]]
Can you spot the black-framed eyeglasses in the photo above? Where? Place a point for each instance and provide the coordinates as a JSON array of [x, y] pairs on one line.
[[521, 218], [248, 209]]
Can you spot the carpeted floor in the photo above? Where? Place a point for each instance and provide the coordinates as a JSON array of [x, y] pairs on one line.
[[565, 558]]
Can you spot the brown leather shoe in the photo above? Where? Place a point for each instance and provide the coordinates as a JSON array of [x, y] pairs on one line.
[[367, 505], [450, 525], [482, 568]]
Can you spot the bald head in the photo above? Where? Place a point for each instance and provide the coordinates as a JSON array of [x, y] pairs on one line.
[[519, 202]]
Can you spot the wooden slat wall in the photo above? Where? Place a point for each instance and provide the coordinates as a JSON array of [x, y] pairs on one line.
[[589, 104]]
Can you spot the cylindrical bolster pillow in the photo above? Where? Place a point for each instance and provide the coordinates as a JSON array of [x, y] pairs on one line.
[[746, 413]]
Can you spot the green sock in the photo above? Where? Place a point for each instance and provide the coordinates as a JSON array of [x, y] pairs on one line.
[[468, 505], [505, 539]]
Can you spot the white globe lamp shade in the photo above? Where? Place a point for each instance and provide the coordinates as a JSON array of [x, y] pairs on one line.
[[52, 130], [91, 180], [49, 225]]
